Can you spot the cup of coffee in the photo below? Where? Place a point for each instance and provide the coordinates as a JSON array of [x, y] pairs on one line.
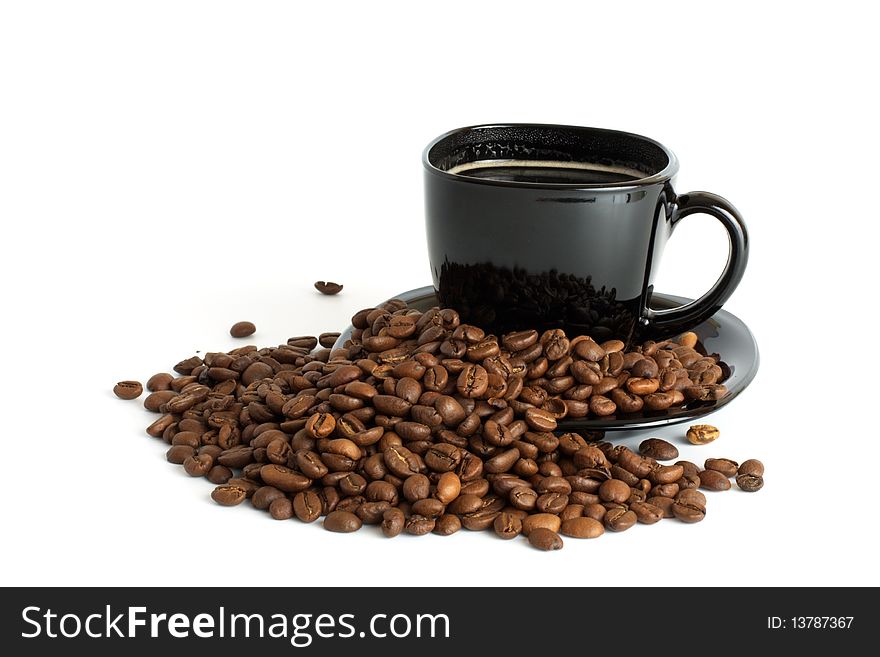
[[545, 226]]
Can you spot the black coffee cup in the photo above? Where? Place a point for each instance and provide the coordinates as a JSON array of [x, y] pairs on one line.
[[543, 226]]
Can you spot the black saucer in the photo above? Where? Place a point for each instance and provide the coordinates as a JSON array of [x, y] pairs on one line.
[[724, 333]]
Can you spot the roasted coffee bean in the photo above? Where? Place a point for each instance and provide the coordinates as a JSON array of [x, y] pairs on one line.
[[690, 506], [646, 512], [507, 525], [342, 522], [284, 478], [198, 465], [229, 495], [658, 449], [541, 521], [329, 289], [750, 483], [264, 496], [160, 381], [473, 381], [702, 434], [393, 522], [416, 487], [540, 420], [666, 474], [442, 457], [219, 474], [242, 329], [551, 502], [128, 389], [582, 527], [690, 469], [614, 490], [448, 487], [752, 467], [725, 466], [620, 519], [401, 461], [664, 504], [419, 525], [477, 415], [545, 539], [156, 400], [307, 506], [447, 524], [713, 480], [328, 339]]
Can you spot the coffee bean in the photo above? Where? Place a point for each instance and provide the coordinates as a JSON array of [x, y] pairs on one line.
[[448, 487], [328, 339], [419, 525], [750, 483], [540, 420], [281, 508], [725, 466], [229, 495], [158, 399], [614, 490], [751, 467], [713, 480], [198, 465], [284, 478], [242, 329], [264, 496], [343, 522], [702, 434], [619, 519], [667, 474], [423, 423], [307, 506], [689, 506], [507, 525], [393, 522], [545, 539], [658, 449], [160, 381], [128, 389], [447, 524], [582, 527], [541, 521], [328, 288], [473, 381], [646, 512]]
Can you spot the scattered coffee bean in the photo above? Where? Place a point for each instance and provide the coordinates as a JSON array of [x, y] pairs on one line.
[[545, 539], [750, 483], [229, 495], [242, 329], [658, 449], [342, 522], [702, 434], [128, 389], [328, 287], [507, 525], [725, 466], [751, 467], [582, 527], [422, 424], [713, 480]]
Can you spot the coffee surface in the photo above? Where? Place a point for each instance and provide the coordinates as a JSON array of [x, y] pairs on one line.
[[546, 171]]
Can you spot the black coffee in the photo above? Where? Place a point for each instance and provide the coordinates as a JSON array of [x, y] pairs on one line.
[[541, 171]]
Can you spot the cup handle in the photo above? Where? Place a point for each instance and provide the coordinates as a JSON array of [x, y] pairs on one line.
[[670, 322]]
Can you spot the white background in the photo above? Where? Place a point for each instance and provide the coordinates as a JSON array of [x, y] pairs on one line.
[[169, 168]]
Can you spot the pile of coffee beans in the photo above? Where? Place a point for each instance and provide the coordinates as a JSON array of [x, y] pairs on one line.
[[421, 424]]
